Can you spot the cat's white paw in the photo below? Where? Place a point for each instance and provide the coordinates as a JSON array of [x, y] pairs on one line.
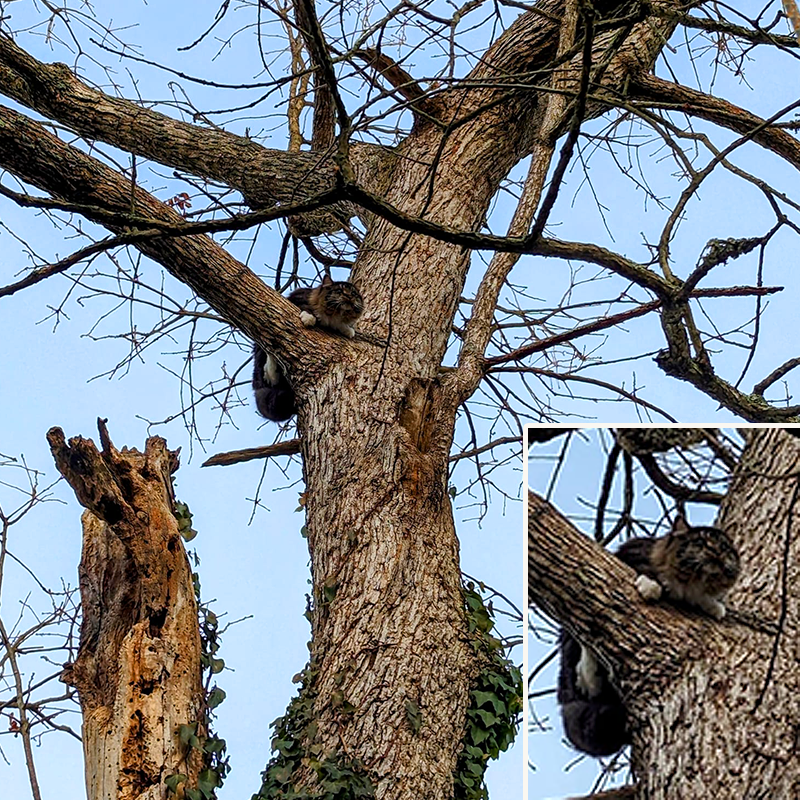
[[309, 320], [648, 588], [715, 608], [348, 331]]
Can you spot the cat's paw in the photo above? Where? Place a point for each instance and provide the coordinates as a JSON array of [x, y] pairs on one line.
[[648, 589], [341, 327], [714, 608], [309, 320]]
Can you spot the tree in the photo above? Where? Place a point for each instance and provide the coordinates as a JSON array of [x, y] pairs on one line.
[[709, 702], [394, 176], [138, 668]]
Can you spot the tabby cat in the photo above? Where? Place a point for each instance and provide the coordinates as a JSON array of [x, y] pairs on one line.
[[693, 565], [334, 305]]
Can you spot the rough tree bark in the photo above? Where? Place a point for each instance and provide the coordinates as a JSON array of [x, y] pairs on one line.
[[713, 706], [137, 671]]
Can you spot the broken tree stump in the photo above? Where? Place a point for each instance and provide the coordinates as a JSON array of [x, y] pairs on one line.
[[138, 671]]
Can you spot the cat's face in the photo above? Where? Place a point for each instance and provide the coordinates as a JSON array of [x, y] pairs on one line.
[[703, 555], [340, 300]]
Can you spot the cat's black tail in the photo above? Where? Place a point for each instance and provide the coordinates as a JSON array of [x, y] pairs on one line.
[[274, 395], [596, 728], [595, 725]]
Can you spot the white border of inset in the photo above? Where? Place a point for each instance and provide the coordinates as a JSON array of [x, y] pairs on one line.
[[583, 426]]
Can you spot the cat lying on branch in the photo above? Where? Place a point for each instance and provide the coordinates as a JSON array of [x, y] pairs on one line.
[[334, 305], [692, 565]]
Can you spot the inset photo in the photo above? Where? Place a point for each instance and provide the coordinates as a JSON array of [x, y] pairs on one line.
[[663, 620]]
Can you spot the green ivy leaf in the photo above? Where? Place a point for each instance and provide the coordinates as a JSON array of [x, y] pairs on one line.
[[284, 746], [482, 698], [316, 751], [186, 732], [215, 697], [207, 781], [215, 745], [474, 601], [217, 665], [281, 774], [488, 718], [479, 735], [174, 781]]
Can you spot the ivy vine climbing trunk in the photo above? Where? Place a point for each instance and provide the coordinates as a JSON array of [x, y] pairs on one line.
[[137, 672], [713, 706]]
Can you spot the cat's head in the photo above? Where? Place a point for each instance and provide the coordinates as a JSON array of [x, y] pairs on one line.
[[704, 554], [340, 299]]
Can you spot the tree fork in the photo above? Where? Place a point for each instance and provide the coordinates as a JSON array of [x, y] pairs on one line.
[[139, 639]]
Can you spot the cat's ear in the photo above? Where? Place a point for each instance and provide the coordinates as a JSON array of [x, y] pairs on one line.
[[679, 525], [327, 280]]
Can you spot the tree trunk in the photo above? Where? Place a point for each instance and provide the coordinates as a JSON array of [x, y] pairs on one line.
[[138, 671], [377, 430], [713, 706], [382, 540], [727, 724]]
